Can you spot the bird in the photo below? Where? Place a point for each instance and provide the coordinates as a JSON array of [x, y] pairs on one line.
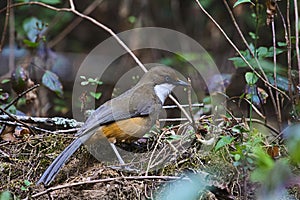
[[125, 118]]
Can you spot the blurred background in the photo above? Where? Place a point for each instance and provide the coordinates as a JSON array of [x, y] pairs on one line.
[[43, 40]]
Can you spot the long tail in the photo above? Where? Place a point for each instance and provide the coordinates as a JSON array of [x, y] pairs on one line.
[[57, 164]]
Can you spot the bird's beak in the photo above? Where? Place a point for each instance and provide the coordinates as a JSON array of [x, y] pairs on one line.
[[182, 83]]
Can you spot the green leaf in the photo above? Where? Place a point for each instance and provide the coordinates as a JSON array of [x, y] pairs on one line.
[[27, 182], [51, 2], [51, 81], [30, 26], [83, 83], [238, 62], [238, 2], [225, 140], [23, 188], [271, 52], [253, 36], [96, 95], [251, 78], [91, 80], [187, 56], [5, 195], [99, 82], [262, 52], [264, 165], [174, 137], [237, 157], [281, 44], [5, 81], [30, 44], [207, 100], [132, 19], [281, 81]]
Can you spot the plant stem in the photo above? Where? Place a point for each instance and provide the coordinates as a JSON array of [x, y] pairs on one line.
[[278, 110]]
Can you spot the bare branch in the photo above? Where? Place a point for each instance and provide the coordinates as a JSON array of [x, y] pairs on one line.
[[20, 95], [5, 26], [108, 180]]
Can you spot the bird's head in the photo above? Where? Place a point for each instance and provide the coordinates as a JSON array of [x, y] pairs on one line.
[[164, 79]]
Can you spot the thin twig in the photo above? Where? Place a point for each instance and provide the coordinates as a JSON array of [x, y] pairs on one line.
[[154, 151], [5, 26], [108, 180], [190, 104], [287, 36], [11, 59], [72, 130], [181, 108], [67, 131], [12, 117], [74, 23], [297, 35], [238, 27], [183, 105], [72, 6], [173, 119], [20, 95], [278, 113]]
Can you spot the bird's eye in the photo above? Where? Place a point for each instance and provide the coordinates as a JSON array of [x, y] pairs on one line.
[[167, 78]]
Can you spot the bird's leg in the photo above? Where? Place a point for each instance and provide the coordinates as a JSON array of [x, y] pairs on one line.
[[123, 166], [117, 154]]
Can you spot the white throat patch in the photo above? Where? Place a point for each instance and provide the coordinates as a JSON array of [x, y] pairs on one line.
[[163, 90]]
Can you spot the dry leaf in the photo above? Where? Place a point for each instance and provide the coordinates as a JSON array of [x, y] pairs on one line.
[[8, 134]]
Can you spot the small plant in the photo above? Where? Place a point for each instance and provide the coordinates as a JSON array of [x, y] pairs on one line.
[[92, 81], [26, 185]]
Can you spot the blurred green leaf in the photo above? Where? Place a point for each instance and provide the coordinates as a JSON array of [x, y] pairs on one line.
[[293, 142], [132, 19], [96, 95], [262, 54], [51, 81], [237, 157], [5, 195], [30, 26], [5, 81], [187, 56], [264, 164], [225, 140], [30, 44], [27, 182], [281, 81], [251, 78], [207, 100], [23, 188], [174, 137], [51, 2], [238, 2], [253, 36], [83, 83], [282, 44]]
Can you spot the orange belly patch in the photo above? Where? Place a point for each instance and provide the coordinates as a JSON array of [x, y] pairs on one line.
[[127, 130]]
